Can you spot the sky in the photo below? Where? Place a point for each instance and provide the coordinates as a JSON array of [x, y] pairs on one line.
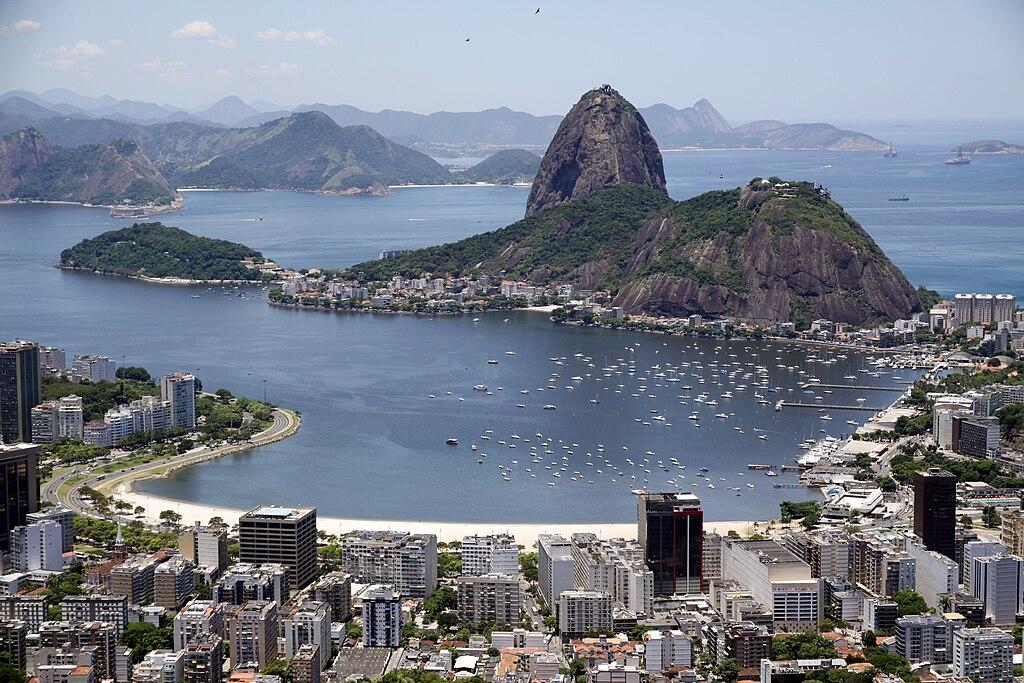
[[793, 60]]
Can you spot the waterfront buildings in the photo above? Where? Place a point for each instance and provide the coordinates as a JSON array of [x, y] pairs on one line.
[[983, 308], [179, 388], [407, 562], [309, 624], [935, 510], [20, 389], [287, 536], [56, 420], [581, 611], [489, 599], [985, 655], [252, 634], [670, 528], [93, 368], [778, 580], [20, 480], [382, 617], [495, 554], [555, 567]]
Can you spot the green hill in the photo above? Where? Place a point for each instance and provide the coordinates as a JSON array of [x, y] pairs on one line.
[[310, 152], [768, 251], [505, 167], [160, 251]]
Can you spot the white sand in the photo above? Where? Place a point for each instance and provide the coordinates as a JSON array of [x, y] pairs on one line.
[[525, 534]]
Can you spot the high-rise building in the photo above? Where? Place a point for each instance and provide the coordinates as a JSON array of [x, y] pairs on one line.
[[63, 517], [335, 588], [202, 660], [198, 619], [173, 581], [555, 567], [999, 581], [20, 480], [935, 510], [406, 562], [52, 359], [777, 579], [306, 665], [382, 617], [31, 609], [670, 527], [489, 599], [180, 389], [20, 389], [581, 611], [1012, 531], [107, 608], [977, 436], [134, 579], [56, 420], [935, 574], [207, 546], [926, 637], [252, 634], [309, 624], [985, 655], [38, 546], [667, 650], [94, 368], [241, 583], [12, 642], [615, 567], [280, 535], [495, 554], [973, 550]]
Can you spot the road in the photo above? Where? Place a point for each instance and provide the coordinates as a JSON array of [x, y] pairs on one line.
[[285, 423]]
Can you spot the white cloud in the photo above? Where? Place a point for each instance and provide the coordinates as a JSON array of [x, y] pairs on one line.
[[203, 29], [280, 69], [70, 57], [115, 42], [20, 26], [315, 35]]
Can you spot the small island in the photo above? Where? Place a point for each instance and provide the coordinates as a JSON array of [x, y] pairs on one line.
[[988, 147], [507, 167], [160, 253]]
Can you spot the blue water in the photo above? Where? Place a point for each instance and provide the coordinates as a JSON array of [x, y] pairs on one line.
[[372, 443]]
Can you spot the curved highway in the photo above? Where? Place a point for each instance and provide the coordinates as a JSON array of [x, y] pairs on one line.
[[285, 423]]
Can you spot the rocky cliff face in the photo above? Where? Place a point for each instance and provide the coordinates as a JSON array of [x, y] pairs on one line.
[[780, 253], [118, 171], [21, 152], [602, 142]]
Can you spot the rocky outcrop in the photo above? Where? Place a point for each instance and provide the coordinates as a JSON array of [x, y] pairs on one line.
[[602, 142], [988, 147], [113, 173]]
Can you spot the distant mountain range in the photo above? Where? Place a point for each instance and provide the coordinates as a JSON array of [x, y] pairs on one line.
[[112, 173], [698, 126]]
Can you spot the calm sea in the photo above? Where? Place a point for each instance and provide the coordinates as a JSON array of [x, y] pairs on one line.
[[372, 443]]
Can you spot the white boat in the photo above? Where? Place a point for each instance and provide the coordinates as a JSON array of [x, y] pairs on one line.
[[492, 361], [479, 387], [548, 406]]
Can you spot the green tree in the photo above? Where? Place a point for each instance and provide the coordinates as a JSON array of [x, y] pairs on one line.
[[279, 667], [528, 564], [728, 670], [8, 673], [143, 637], [909, 602], [170, 518], [133, 373], [990, 517], [808, 645]]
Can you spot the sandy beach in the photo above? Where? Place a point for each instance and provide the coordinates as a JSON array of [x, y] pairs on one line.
[[525, 534]]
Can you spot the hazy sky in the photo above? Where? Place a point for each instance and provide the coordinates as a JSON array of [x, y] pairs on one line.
[[798, 61]]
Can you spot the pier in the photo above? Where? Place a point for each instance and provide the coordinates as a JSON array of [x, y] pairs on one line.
[[832, 406], [812, 385]]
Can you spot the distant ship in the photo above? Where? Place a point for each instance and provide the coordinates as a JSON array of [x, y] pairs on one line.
[[900, 198], [890, 153], [959, 160]]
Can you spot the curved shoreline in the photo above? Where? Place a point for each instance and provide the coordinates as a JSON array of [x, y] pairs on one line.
[[173, 281]]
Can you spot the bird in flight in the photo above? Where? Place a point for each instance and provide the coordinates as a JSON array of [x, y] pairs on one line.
[[467, 40], [538, 11]]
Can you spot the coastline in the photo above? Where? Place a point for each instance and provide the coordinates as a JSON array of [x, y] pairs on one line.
[[525, 533], [173, 281], [149, 209]]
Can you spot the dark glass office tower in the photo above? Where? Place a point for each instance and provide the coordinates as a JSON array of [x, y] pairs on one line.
[[935, 510], [20, 389], [20, 480], [670, 527]]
